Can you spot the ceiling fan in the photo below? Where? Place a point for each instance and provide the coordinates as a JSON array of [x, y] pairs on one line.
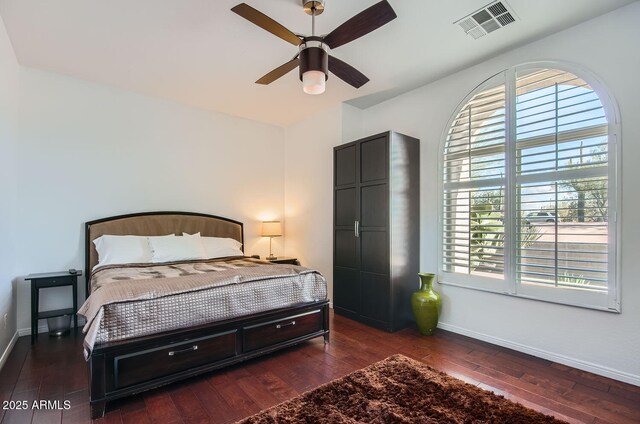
[[313, 58]]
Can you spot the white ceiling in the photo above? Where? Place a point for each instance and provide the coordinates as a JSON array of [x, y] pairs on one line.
[[199, 53]]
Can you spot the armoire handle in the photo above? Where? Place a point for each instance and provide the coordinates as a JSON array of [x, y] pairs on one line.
[[356, 228]]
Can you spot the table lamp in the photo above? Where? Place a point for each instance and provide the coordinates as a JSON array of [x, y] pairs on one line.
[[271, 229]]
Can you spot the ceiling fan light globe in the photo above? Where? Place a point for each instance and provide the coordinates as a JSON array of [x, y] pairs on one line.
[[313, 82]]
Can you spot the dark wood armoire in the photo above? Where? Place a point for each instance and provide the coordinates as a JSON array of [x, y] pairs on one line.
[[376, 229]]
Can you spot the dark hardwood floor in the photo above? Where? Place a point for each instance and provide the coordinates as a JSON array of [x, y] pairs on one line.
[[54, 369]]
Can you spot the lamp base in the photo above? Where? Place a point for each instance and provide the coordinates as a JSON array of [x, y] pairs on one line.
[[271, 257]]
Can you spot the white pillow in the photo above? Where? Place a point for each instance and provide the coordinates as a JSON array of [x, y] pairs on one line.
[[218, 247], [120, 250], [172, 249]]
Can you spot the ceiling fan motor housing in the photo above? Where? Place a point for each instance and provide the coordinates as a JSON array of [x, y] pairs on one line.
[[314, 59]]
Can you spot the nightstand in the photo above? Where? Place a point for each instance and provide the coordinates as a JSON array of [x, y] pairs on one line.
[[48, 280], [284, 260]]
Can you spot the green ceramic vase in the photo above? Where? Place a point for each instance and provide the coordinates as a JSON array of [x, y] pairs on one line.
[[426, 305]]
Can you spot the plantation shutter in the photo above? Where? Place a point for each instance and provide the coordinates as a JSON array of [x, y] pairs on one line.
[[473, 212], [561, 168]]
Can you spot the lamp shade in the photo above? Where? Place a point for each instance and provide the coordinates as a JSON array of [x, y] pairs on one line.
[[271, 229], [313, 82]]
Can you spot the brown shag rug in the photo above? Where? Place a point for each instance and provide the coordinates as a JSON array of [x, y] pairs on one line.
[[399, 390]]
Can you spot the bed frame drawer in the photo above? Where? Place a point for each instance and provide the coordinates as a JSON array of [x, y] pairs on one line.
[[164, 360], [274, 332], [128, 367]]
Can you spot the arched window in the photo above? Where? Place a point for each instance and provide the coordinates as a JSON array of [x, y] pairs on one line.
[[529, 197]]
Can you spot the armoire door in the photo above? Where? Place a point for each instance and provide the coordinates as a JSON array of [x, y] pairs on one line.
[[373, 184], [346, 275]]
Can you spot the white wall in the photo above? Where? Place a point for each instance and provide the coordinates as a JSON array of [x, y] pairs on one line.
[[309, 185], [87, 151], [9, 84], [308, 191], [602, 342]]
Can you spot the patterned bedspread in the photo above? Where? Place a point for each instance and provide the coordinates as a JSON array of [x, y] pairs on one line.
[[134, 300]]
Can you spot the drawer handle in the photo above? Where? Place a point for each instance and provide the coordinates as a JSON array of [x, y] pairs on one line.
[[192, 348], [286, 325]]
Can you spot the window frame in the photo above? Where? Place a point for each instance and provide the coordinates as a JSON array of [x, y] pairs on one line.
[[606, 301]]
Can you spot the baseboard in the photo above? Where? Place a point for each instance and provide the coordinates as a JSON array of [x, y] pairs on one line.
[[561, 359], [42, 328], [7, 351]]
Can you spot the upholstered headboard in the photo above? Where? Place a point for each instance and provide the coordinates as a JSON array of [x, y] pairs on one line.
[[157, 224]]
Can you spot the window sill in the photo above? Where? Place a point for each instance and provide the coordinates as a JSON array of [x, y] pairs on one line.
[[601, 306]]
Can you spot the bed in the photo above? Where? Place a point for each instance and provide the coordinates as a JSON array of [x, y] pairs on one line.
[[153, 324]]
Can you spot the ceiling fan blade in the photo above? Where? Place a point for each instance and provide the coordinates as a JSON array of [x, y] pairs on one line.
[[279, 72], [363, 23], [347, 73], [266, 23]]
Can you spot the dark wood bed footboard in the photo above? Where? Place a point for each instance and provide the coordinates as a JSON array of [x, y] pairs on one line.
[[124, 368]]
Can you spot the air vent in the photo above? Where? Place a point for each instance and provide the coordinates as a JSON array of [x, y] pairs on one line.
[[488, 19]]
